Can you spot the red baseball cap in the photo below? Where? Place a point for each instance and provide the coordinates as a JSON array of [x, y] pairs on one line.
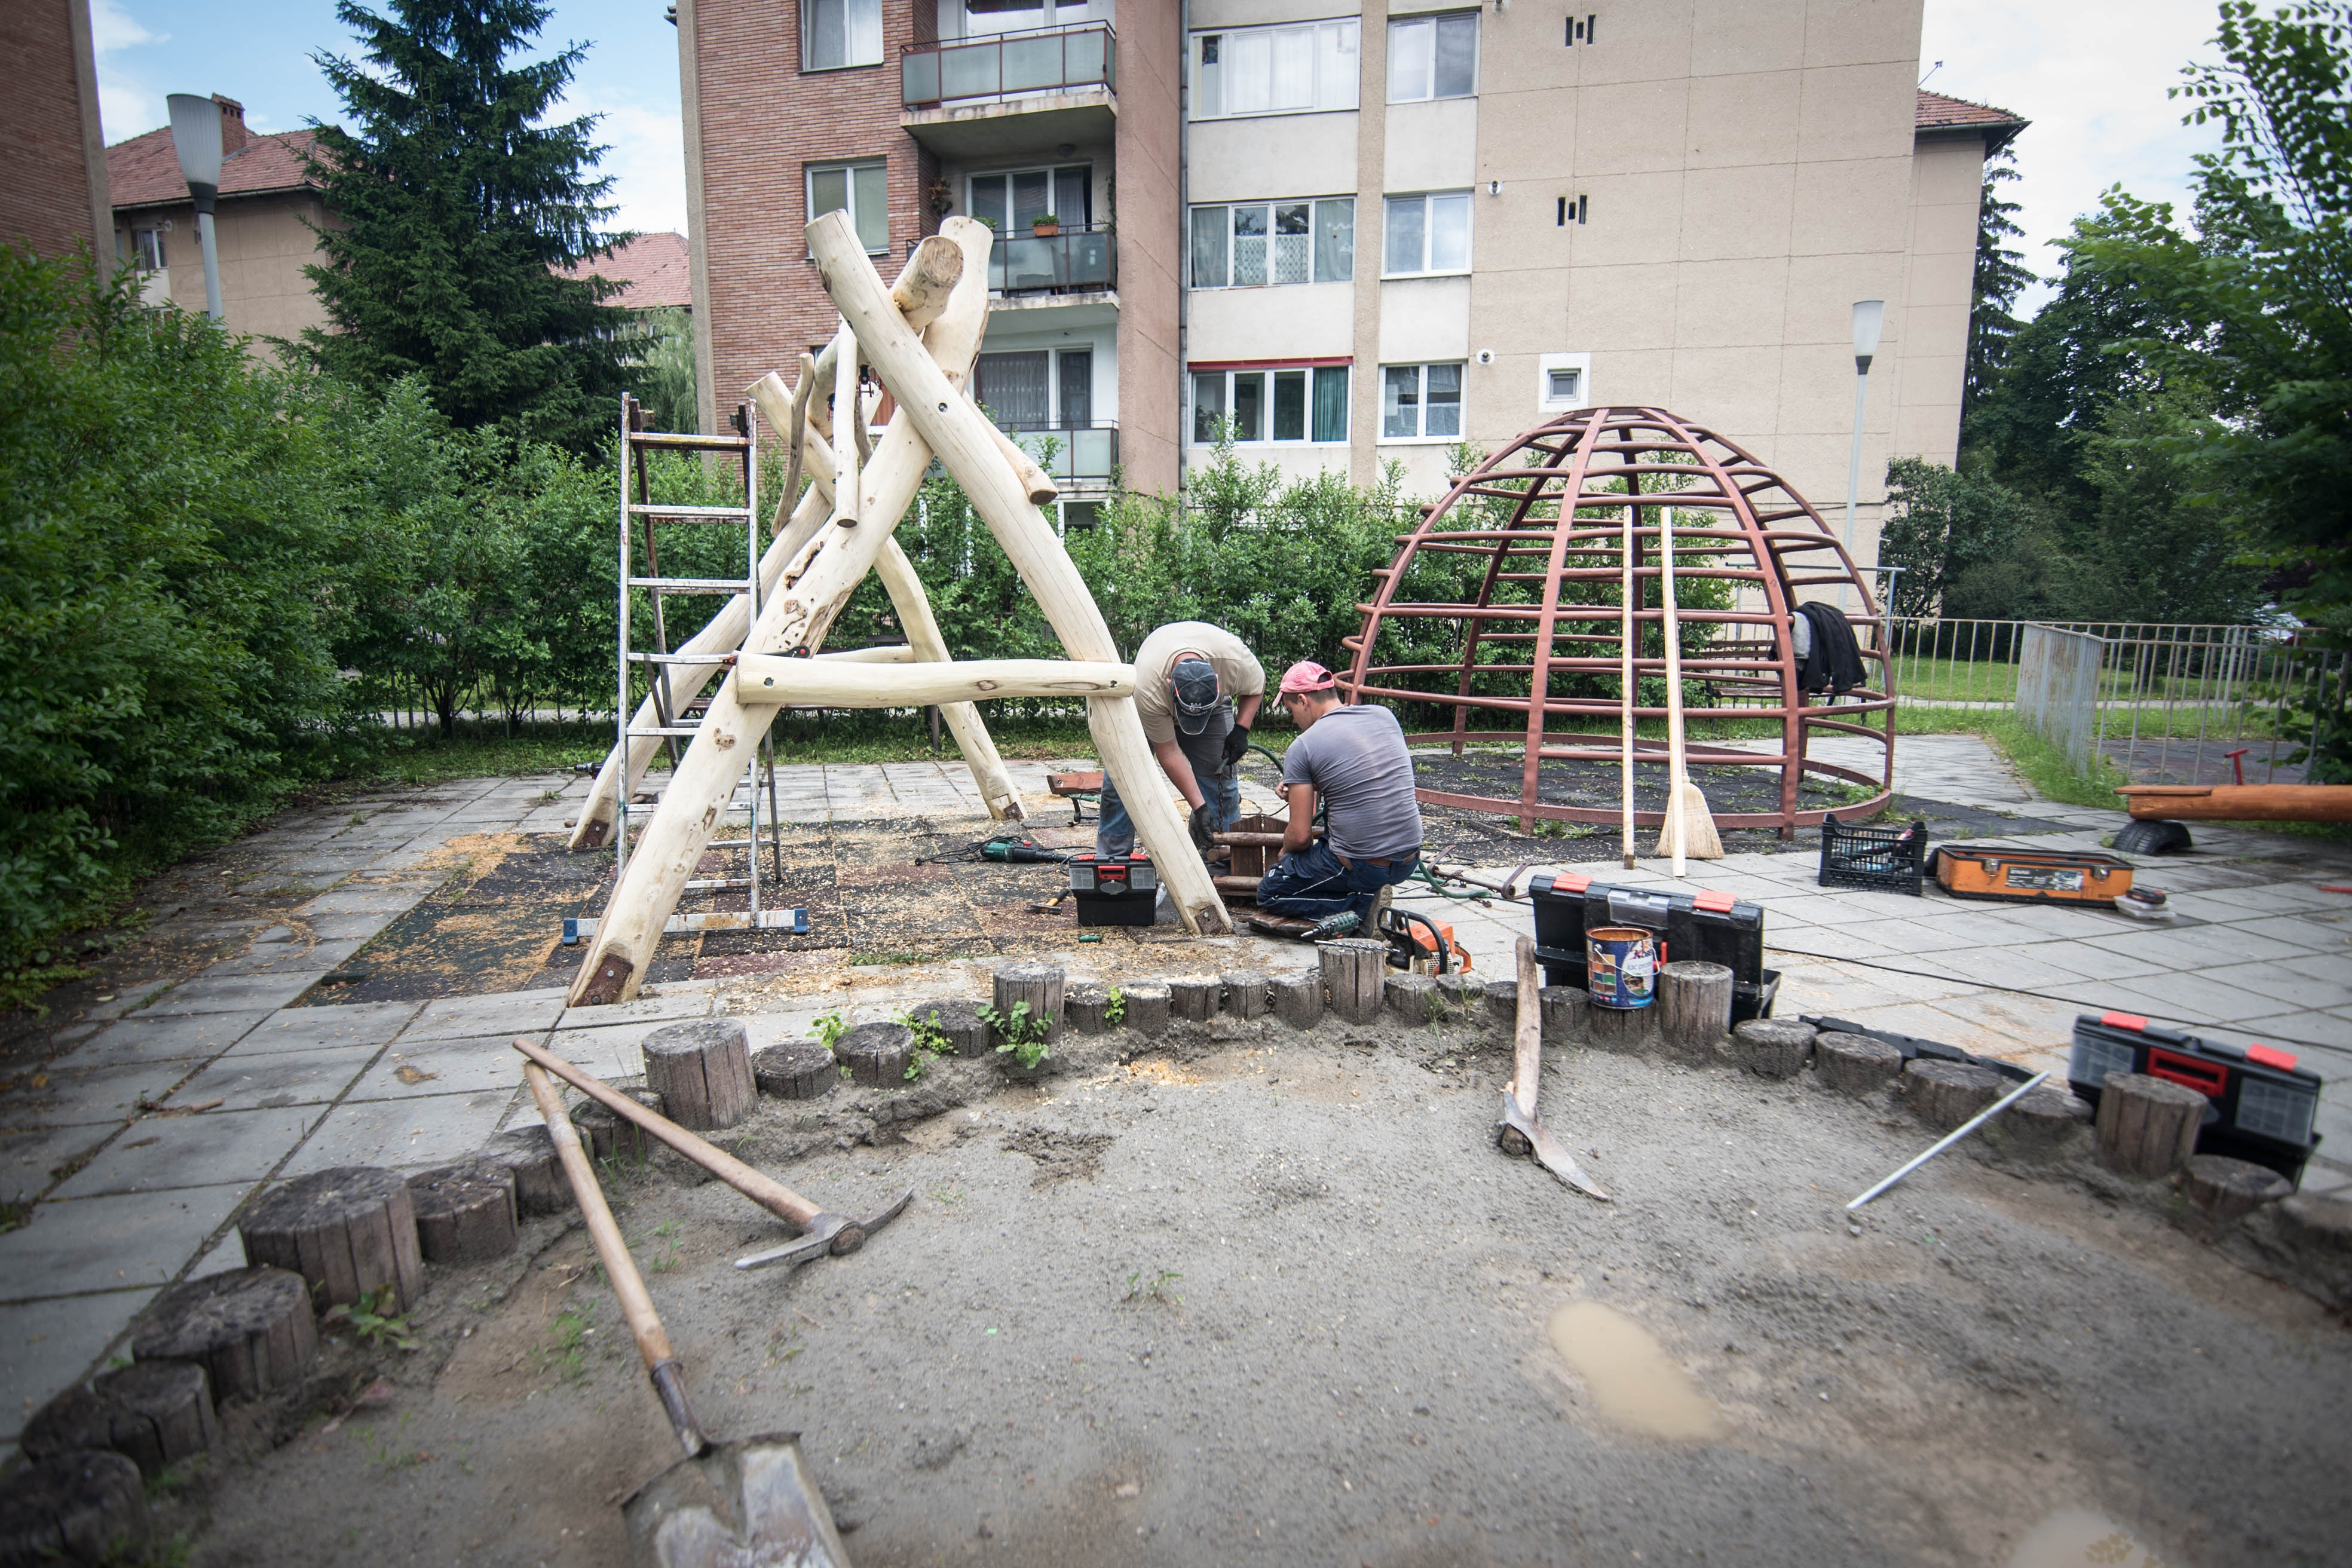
[[1306, 676]]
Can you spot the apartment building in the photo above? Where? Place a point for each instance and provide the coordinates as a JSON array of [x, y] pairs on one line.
[[1355, 236], [53, 201]]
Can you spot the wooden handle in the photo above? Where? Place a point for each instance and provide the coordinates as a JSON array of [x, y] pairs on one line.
[[1527, 1044], [637, 1305], [1678, 776], [1628, 630], [768, 1193]]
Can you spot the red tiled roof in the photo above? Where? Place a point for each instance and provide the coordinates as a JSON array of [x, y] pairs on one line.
[[145, 171], [1937, 113], [653, 265]]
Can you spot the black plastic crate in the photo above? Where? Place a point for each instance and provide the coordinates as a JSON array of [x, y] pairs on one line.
[[1121, 891], [1886, 859], [1703, 926], [2263, 1105]]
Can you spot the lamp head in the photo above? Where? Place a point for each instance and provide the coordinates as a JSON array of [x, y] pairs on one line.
[[1869, 317], [197, 138]]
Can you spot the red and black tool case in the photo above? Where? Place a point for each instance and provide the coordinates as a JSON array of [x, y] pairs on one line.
[[2263, 1105], [1702, 926], [1114, 890]]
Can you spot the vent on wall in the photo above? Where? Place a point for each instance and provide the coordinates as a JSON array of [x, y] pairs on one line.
[[1571, 209], [1580, 32]]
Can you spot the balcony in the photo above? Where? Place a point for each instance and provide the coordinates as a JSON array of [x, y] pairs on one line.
[[1083, 454], [1010, 92], [1075, 262]]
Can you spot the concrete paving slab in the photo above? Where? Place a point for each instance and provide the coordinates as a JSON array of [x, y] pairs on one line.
[[2303, 1028], [160, 1154], [2322, 930], [224, 1255], [46, 1345], [362, 898], [287, 958], [441, 1066], [315, 1076], [2314, 982], [2280, 898], [2096, 961], [609, 1053], [669, 1007], [66, 1097], [2028, 1022], [110, 1243], [2199, 947], [29, 1158], [2190, 998], [181, 1037], [309, 1029], [430, 1129], [470, 1017], [234, 993]]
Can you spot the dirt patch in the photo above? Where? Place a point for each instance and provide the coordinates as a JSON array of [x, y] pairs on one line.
[[1060, 1154]]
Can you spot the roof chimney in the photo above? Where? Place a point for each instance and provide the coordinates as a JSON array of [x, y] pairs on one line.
[[232, 124]]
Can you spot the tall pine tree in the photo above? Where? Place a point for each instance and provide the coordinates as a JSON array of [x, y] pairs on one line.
[[453, 201], [2001, 276]]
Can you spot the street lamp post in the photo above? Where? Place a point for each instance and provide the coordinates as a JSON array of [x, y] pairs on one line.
[[1869, 317], [196, 137]]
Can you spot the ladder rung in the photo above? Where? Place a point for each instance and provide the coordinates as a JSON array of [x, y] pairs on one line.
[[794, 921], [674, 512], [708, 884], [653, 730], [692, 584], [676, 658], [684, 441]]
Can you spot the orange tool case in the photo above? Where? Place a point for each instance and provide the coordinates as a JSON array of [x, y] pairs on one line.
[[2029, 876]]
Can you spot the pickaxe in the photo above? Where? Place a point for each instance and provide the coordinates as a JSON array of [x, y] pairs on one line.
[[821, 1232], [1521, 1131]]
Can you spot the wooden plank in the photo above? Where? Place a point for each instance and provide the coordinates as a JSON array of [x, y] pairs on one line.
[[2239, 803], [770, 678]]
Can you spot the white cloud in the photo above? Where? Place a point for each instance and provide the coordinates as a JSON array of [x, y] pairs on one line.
[[112, 27], [129, 102], [2091, 75], [647, 163]]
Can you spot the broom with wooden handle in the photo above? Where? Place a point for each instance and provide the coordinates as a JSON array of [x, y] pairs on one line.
[[1628, 631], [1689, 826]]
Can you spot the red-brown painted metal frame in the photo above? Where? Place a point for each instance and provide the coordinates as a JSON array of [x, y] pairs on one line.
[[1743, 542]]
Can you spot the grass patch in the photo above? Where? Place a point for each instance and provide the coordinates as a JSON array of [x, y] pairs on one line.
[[2042, 764]]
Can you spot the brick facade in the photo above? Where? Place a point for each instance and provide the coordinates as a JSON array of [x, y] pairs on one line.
[[54, 195]]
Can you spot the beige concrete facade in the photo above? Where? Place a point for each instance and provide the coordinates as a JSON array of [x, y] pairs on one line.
[[265, 242]]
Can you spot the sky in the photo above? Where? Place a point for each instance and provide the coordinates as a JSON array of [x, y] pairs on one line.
[[2090, 74]]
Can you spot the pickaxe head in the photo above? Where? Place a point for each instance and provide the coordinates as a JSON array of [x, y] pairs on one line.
[[828, 1233], [1547, 1150]]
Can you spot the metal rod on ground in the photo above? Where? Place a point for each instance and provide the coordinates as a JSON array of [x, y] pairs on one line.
[[1954, 1136]]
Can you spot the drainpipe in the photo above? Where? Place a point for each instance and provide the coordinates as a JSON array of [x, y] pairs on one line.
[[1184, 230]]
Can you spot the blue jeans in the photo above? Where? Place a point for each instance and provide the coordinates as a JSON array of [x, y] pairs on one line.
[[1115, 833], [1311, 883]]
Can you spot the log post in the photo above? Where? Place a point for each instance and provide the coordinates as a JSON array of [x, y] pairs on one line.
[[1353, 969], [1460, 992], [1147, 1005], [1945, 1094], [959, 1021], [1629, 1031], [1193, 998], [2043, 1125], [153, 1413], [613, 1136], [349, 1232], [1040, 986], [1694, 1006], [2223, 1189], [1298, 998], [87, 1506], [1086, 1007], [251, 1330], [877, 1054], [464, 1212], [1856, 1064], [1776, 1048], [529, 1154], [1567, 1011], [1246, 993], [1408, 995], [1502, 1004], [796, 1069], [2148, 1126], [702, 1070]]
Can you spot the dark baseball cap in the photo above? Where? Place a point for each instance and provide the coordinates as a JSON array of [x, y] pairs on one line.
[[1194, 686]]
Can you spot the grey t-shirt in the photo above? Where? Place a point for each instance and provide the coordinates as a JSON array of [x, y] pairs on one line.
[[1356, 761]]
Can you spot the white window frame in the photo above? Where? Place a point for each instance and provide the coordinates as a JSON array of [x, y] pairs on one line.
[[854, 36], [1402, 29], [1581, 365], [148, 252], [850, 169], [1422, 433], [1335, 61], [1428, 200], [1267, 373], [1225, 220]]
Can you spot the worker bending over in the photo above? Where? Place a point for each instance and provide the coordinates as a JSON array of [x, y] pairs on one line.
[[1352, 758], [1197, 689]]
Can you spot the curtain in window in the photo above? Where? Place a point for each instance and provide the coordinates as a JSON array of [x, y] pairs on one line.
[[1249, 72], [1292, 242], [1400, 400], [1406, 237], [1208, 246], [1208, 405], [1011, 387], [1074, 195], [1335, 241], [1249, 247], [1444, 416], [1249, 406], [1330, 403], [1293, 69], [869, 207], [836, 33], [1077, 389]]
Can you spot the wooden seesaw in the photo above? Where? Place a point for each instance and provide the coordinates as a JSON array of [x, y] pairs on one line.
[[919, 336], [2158, 810]]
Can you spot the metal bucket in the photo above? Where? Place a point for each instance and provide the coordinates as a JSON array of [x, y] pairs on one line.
[[1621, 965]]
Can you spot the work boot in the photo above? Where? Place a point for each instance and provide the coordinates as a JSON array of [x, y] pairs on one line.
[[1344, 924]]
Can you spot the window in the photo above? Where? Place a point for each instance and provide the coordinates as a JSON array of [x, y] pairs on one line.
[[1019, 390], [859, 189], [1009, 202], [147, 249], [1419, 401], [1308, 402], [1564, 381], [1432, 57], [1275, 70], [1428, 234], [837, 33], [1561, 386], [1243, 246]]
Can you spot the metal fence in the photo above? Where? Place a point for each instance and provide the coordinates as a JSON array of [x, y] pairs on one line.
[[2171, 703]]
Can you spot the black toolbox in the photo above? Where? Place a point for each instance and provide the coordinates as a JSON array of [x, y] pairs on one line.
[[1702, 926], [2263, 1105], [1114, 890]]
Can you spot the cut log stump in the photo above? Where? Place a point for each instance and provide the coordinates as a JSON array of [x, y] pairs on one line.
[[88, 1506], [2148, 1126], [1855, 1064], [877, 1054], [349, 1231], [1772, 1047], [1193, 999], [529, 1154], [610, 1136], [2223, 1189], [465, 1213], [1461, 992], [1086, 1006], [1298, 998], [153, 1413], [702, 1070], [252, 1329], [1353, 969], [1567, 1013], [1147, 1005], [1407, 997], [1038, 984], [1501, 1006], [1628, 1030], [1246, 993], [1694, 1007], [796, 1069], [959, 1021], [1945, 1094], [2044, 1124]]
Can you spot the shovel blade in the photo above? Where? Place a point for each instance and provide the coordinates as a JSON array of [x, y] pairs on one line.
[[1549, 1152], [749, 1504]]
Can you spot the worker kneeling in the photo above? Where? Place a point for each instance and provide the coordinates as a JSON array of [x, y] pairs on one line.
[[1197, 689], [1354, 760]]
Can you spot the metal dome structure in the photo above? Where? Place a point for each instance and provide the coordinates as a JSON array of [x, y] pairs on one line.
[[1504, 600]]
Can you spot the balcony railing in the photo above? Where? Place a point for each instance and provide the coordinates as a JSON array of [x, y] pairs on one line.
[[1077, 260], [1082, 453], [1007, 65]]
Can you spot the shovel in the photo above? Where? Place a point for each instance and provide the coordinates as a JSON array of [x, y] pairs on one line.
[[1520, 1131], [729, 1505]]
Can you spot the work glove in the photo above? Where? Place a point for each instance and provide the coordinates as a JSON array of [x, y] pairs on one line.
[[1236, 744], [1203, 824]]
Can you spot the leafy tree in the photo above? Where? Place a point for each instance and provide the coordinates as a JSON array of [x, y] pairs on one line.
[[2001, 276], [1969, 546], [453, 201], [661, 371]]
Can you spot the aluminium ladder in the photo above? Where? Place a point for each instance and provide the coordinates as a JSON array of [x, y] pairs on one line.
[[674, 720]]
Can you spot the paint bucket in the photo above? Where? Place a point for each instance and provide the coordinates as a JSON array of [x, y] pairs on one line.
[[1621, 965]]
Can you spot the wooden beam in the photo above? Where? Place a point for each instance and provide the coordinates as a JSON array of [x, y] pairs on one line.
[[965, 443], [808, 683]]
